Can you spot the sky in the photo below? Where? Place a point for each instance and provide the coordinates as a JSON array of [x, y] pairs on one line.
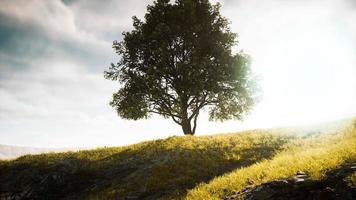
[[53, 54]]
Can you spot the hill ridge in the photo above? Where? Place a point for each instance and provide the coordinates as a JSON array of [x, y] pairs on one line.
[[188, 167]]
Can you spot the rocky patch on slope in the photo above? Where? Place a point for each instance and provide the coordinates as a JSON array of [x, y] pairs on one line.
[[301, 187]]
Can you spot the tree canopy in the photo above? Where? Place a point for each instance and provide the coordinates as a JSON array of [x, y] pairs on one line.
[[178, 61]]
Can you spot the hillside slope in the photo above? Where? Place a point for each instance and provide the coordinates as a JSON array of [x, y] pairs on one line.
[[207, 167], [316, 157]]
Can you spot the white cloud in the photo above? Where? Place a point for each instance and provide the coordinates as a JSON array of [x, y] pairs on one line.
[[109, 18], [56, 99], [52, 16]]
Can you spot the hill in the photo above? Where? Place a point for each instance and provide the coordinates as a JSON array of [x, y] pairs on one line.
[[225, 166]]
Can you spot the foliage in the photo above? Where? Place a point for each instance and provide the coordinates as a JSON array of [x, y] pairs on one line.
[[178, 61]]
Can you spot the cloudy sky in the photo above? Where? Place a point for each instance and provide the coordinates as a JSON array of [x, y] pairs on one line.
[[53, 54]]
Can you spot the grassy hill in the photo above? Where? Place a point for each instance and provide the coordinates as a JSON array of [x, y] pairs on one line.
[[206, 167]]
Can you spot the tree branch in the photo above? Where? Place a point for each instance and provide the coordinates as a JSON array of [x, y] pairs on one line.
[[198, 106], [176, 121], [195, 122]]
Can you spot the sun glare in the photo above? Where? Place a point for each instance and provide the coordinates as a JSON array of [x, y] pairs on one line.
[[306, 62], [308, 74], [53, 93]]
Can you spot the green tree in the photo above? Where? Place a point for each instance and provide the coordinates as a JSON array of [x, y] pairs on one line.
[[178, 61]]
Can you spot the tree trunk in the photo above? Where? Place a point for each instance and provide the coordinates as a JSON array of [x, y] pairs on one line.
[[187, 128], [185, 123]]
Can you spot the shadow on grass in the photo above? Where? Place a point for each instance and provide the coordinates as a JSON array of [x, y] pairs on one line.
[[334, 185], [150, 171]]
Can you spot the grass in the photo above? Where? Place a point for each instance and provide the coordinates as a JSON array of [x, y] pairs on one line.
[[206, 167], [315, 156], [156, 169], [174, 165], [352, 179]]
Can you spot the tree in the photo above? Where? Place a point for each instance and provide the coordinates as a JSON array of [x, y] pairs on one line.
[[178, 61]]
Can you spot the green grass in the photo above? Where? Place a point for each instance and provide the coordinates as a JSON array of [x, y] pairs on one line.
[[206, 167]]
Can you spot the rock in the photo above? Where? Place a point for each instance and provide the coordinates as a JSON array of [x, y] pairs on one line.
[[300, 173], [298, 179]]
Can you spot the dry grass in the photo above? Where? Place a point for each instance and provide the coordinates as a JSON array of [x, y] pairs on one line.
[[352, 180], [314, 156], [206, 167]]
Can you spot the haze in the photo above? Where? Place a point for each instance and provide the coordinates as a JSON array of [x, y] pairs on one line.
[[53, 54]]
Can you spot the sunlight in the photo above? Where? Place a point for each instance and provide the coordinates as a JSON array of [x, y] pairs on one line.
[[313, 76], [307, 68], [158, 99], [303, 51]]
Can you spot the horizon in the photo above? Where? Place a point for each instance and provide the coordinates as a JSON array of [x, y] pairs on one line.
[[306, 126], [53, 55]]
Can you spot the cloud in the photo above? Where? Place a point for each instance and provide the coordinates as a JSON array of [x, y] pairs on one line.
[[108, 19], [53, 54], [37, 28], [51, 16], [47, 92], [48, 64], [52, 58]]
